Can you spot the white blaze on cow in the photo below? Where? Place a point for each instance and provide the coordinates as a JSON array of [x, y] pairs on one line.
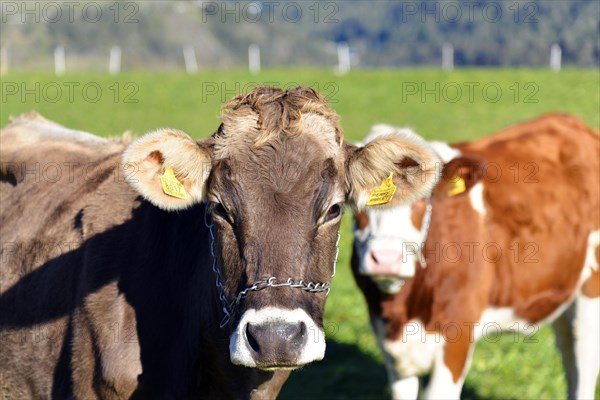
[[513, 243]]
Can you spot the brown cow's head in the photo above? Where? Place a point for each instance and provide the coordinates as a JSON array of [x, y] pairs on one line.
[[276, 176]]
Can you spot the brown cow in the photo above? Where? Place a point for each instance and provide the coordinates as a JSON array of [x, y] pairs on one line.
[[166, 267], [513, 242]]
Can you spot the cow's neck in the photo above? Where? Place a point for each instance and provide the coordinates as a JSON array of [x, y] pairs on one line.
[[170, 261], [445, 153], [408, 304]]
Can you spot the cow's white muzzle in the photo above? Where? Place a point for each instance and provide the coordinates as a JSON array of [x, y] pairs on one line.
[[275, 338]]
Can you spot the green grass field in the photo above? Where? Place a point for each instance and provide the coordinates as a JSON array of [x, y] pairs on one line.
[[452, 106]]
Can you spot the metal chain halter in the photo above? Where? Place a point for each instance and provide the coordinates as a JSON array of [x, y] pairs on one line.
[[229, 307]]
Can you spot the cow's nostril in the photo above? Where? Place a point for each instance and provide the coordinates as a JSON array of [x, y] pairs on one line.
[[298, 338], [251, 340]]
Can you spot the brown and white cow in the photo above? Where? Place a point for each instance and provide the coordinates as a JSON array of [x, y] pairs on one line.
[[512, 242], [171, 268]]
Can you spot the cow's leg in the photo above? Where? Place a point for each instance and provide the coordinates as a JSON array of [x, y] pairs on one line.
[[577, 336], [578, 328], [565, 340], [451, 365], [106, 355], [587, 345], [405, 389], [83, 360], [402, 388]]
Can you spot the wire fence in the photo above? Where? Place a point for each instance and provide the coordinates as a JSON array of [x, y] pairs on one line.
[[115, 36]]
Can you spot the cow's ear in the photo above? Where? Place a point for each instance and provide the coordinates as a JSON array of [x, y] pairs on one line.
[[460, 174], [168, 168], [390, 170]]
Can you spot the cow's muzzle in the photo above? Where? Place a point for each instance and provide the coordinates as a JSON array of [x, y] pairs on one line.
[[274, 338]]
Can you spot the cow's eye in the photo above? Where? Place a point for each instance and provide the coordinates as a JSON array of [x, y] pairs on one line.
[[333, 212], [220, 211]]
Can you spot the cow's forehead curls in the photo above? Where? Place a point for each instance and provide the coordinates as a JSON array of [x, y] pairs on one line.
[[268, 114]]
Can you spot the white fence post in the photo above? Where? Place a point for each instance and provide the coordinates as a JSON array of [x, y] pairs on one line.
[[189, 56], [254, 58], [59, 60], [555, 57], [447, 57], [3, 60], [114, 62], [343, 51]]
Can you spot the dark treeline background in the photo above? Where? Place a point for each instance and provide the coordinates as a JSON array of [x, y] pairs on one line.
[[152, 34]]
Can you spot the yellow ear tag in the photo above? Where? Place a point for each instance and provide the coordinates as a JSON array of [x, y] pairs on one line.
[[457, 186], [384, 193], [171, 184]]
